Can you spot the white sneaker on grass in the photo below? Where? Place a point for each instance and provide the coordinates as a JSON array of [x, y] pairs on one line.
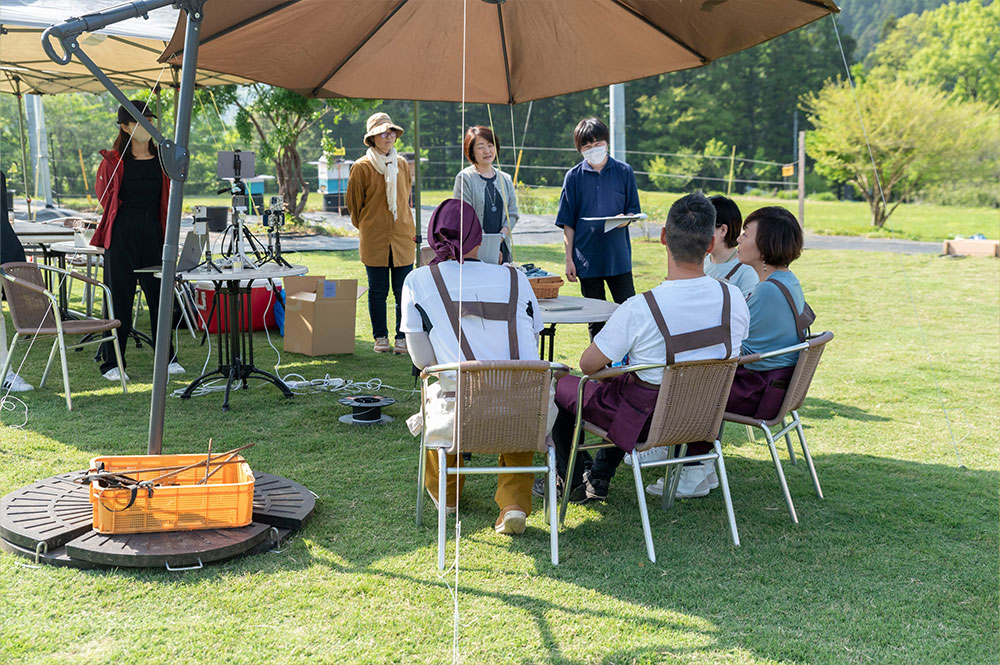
[[175, 368], [657, 454], [713, 478], [114, 374], [692, 485], [15, 384]]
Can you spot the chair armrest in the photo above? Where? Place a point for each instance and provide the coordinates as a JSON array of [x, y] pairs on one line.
[[611, 372], [558, 369], [754, 357], [749, 358]]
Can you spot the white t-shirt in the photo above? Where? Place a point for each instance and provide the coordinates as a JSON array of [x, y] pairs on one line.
[[483, 282], [687, 305], [745, 277]]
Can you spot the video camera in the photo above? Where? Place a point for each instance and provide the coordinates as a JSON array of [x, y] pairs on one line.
[[274, 213]]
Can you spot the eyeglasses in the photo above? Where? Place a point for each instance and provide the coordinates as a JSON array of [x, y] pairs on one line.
[[388, 135]]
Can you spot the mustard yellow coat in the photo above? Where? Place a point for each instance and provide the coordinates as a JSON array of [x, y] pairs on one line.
[[370, 214]]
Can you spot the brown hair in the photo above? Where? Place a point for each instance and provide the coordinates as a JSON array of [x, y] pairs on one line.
[[779, 236], [469, 143], [122, 140]]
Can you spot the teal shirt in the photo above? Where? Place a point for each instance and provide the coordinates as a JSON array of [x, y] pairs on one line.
[[772, 324]]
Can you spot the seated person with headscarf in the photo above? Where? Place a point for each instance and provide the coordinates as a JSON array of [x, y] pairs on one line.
[[430, 320], [689, 316]]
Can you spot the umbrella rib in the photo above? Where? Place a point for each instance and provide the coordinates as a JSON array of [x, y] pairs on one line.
[[828, 6], [358, 47], [663, 32], [506, 61], [236, 26]]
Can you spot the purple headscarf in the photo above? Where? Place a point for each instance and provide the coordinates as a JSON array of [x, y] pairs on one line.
[[454, 231]]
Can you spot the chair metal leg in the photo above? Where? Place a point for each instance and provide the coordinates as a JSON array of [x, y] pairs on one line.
[[807, 455], [674, 482], [10, 358], [48, 365], [750, 435], [182, 300], [567, 481], [118, 359], [781, 475], [640, 493], [442, 502], [420, 482], [553, 506], [788, 444], [724, 484], [65, 372]]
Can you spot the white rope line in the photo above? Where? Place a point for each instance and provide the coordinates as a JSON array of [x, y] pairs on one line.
[[906, 277]]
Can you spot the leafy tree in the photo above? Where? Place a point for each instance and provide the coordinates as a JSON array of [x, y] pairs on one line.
[[919, 137], [866, 19], [955, 47], [274, 120]]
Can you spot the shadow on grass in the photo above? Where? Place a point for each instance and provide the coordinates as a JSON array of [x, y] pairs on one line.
[[826, 409]]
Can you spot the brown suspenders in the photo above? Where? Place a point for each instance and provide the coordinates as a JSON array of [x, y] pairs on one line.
[[696, 339], [491, 311], [729, 275], [803, 320]]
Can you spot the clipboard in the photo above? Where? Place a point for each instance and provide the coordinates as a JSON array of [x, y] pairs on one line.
[[489, 250], [612, 223]]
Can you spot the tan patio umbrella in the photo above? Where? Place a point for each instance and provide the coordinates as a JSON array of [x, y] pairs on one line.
[[516, 50]]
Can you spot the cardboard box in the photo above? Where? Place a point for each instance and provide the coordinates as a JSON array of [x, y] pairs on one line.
[[320, 314], [972, 247]]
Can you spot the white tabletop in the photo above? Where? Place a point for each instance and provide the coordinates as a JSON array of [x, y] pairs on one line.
[[246, 275], [574, 309], [70, 247]]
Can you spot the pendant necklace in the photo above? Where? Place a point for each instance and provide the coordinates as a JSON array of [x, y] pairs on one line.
[[493, 197]]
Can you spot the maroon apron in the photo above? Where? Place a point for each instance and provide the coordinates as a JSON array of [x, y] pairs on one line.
[[624, 405], [491, 311], [760, 394]]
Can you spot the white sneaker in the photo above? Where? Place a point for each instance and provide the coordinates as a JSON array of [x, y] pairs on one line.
[[652, 455], [15, 384], [175, 368], [713, 478], [114, 375], [693, 484]]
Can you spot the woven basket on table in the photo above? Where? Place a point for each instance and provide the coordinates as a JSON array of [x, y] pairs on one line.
[[546, 287]]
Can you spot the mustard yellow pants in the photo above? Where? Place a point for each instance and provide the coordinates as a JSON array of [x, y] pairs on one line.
[[513, 489]]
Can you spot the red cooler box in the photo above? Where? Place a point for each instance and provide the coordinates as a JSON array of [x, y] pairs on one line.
[[260, 297]]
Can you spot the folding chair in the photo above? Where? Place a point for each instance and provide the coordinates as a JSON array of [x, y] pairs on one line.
[[503, 408], [689, 408], [810, 352], [35, 312]]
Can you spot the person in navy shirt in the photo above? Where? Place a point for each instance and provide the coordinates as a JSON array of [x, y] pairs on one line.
[[599, 186]]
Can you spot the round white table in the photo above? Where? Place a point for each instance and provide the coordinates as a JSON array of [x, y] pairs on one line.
[[570, 309], [69, 247]]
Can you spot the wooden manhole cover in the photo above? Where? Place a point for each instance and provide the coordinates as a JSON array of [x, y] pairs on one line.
[[176, 548], [52, 511], [281, 502]]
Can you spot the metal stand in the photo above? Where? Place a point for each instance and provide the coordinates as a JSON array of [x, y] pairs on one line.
[[236, 361]]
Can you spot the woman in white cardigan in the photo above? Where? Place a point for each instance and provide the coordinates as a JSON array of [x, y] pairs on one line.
[[488, 190]]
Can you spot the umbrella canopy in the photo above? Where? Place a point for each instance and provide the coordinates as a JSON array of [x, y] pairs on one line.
[[128, 52], [515, 50]]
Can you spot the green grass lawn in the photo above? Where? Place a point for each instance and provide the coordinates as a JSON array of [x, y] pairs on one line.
[[909, 221], [898, 564]]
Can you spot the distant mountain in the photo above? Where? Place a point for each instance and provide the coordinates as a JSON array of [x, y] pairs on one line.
[[863, 19]]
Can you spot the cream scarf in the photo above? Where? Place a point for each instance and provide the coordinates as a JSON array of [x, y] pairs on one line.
[[389, 168]]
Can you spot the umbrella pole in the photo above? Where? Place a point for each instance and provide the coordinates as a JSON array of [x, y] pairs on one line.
[[416, 179], [20, 135]]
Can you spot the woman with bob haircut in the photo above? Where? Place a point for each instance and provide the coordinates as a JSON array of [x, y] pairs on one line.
[[771, 240], [722, 262], [486, 188]]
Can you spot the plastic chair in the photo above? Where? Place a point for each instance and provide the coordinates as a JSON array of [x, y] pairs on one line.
[[35, 311], [503, 408], [689, 407], [810, 351]]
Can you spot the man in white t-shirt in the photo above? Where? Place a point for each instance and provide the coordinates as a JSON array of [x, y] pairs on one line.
[[430, 297], [689, 302]]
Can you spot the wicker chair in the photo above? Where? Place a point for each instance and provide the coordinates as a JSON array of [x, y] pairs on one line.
[[810, 352], [689, 408], [35, 312], [501, 407]]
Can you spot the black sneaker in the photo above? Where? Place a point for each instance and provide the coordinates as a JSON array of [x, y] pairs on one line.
[[538, 489], [595, 488]]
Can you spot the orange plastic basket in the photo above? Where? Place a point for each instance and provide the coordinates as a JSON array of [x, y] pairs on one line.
[[226, 500], [546, 287]]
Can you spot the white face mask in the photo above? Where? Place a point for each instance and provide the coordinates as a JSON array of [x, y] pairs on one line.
[[595, 155], [140, 134]]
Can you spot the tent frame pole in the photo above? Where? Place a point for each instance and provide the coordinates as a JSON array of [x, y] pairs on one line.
[[173, 158], [416, 177], [20, 135]]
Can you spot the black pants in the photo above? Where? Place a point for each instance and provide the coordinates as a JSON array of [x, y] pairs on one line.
[[378, 293], [121, 261], [603, 467], [621, 288]]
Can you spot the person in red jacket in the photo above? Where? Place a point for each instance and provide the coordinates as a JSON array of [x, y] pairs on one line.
[[132, 189]]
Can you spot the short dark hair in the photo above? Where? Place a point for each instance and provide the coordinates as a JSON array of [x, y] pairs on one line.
[[690, 226], [779, 236], [590, 130], [728, 213], [469, 143]]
